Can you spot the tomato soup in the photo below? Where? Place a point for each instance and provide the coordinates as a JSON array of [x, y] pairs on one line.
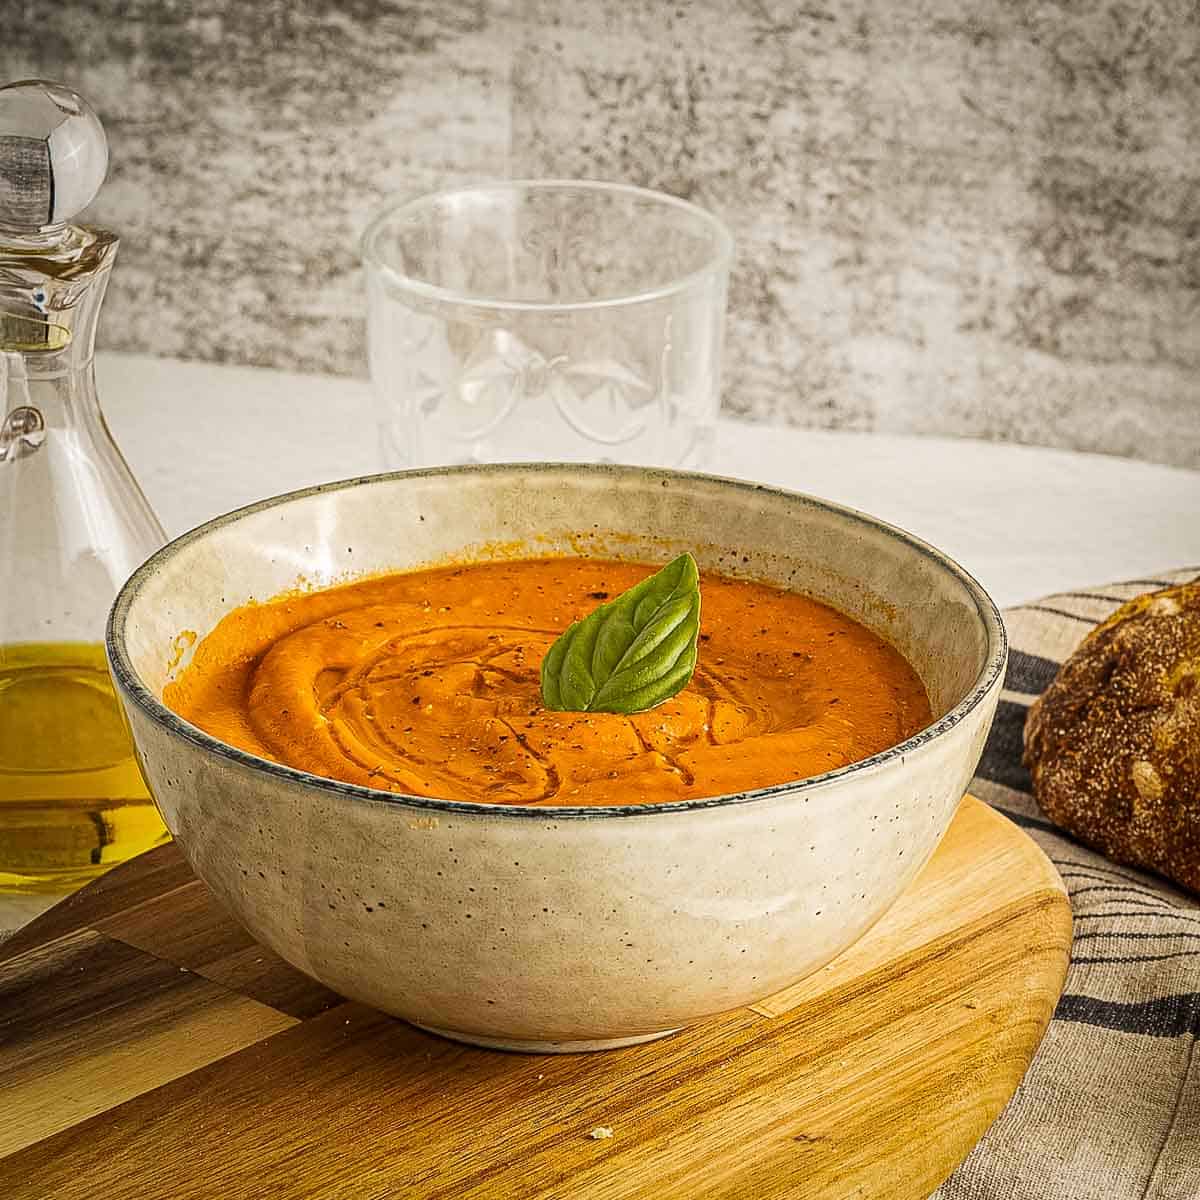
[[427, 682]]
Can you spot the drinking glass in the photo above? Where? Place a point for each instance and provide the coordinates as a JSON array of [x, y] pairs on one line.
[[546, 320]]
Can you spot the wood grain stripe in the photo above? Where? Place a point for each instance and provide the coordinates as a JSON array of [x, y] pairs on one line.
[[157, 872], [89, 1023], [189, 928]]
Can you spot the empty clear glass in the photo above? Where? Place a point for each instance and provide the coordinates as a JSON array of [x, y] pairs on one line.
[[556, 320]]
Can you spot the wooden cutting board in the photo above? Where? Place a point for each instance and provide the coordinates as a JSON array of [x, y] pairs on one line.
[[149, 1048]]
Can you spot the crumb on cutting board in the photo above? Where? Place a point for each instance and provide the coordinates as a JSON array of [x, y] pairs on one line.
[[601, 1132]]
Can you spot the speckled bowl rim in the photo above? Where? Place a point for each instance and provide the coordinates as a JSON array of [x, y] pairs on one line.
[[716, 265], [128, 680]]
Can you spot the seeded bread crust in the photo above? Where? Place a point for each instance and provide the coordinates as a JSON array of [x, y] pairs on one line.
[[1114, 743]]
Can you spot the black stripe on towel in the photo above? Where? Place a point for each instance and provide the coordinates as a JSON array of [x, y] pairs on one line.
[[1126, 889], [1027, 822], [1029, 673], [1118, 935], [1058, 612], [1122, 876], [1001, 761], [1170, 1016], [1144, 912], [1134, 958]]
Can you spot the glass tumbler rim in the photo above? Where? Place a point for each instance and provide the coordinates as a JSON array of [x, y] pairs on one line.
[[716, 264]]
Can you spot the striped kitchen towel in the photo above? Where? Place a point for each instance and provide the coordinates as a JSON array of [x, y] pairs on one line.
[[1110, 1107]]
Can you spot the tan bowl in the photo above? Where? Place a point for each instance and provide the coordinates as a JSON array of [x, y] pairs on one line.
[[554, 929]]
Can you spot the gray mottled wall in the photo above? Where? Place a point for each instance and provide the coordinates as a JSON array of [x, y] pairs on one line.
[[952, 216]]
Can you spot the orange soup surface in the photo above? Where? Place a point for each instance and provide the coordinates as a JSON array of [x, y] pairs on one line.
[[427, 682]]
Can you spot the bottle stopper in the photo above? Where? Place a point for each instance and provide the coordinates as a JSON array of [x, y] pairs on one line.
[[53, 155]]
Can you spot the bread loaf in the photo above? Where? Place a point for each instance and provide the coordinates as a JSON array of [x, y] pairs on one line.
[[1114, 743]]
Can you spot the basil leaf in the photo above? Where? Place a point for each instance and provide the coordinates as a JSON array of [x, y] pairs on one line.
[[633, 652]]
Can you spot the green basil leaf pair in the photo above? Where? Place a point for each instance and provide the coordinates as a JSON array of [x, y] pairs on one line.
[[633, 652]]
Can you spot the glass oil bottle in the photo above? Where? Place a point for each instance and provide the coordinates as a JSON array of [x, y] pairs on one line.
[[74, 523]]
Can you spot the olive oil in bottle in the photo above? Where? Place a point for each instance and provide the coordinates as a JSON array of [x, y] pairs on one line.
[[72, 800], [73, 521]]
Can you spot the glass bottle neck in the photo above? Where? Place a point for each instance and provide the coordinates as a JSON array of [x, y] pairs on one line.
[[51, 291], [50, 298]]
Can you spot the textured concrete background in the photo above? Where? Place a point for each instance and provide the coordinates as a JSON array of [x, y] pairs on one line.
[[951, 215]]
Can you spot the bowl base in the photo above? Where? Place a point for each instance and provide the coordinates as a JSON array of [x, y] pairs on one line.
[[522, 1046]]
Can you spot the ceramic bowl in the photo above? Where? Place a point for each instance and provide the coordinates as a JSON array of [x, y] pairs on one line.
[[557, 929]]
